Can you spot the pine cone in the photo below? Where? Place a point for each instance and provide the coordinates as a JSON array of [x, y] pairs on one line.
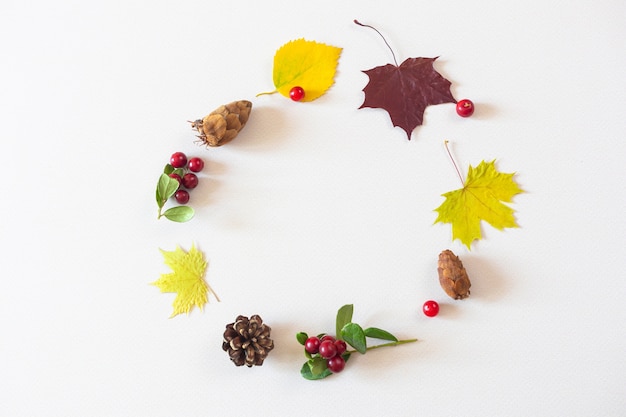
[[224, 123], [452, 275], [247, 341]]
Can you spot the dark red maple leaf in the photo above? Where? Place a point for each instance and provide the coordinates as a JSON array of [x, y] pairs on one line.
[[406, 90]]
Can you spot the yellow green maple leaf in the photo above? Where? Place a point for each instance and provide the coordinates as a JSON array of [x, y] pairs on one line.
[[307, 64], [482, 197], [187, 279]]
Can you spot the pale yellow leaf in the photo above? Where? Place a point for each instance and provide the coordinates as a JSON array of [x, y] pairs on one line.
[[187, 279]]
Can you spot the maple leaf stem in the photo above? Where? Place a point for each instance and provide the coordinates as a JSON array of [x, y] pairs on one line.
[[213, 292], [381, 35], [445, 142]]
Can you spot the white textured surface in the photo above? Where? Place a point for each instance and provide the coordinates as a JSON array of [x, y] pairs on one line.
[[312, 207]]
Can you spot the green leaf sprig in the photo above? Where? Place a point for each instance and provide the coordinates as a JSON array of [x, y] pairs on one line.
[[166, 187], [316, 367]]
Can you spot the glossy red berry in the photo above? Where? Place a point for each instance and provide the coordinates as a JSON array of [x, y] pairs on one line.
[[177, 178], [178, 160], [336, 364], [195, 164], [312, 345], [190, 181], [181, 196], [328, 337], [465, 108], [327, 349], [431, 308], [296, 93], [341, 346]]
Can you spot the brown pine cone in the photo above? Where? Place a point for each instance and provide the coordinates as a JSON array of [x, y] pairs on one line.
[[452, 275], [224, 123], [247, 341]]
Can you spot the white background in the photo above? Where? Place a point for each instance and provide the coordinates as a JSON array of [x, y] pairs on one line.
[[313, 206]]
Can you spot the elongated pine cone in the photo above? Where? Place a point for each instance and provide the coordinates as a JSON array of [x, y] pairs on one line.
[[224, 123], [247, 341], [452, 275]]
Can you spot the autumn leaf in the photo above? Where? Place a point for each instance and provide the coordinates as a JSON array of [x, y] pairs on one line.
[[307, 64], [405, 90], [482, 197], [187, 279]]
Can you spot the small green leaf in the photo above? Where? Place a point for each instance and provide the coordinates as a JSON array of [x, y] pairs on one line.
[[379, 334], [344, 316], [302, 337], [354, 335], [178, 171], [159, 200], [318, 365], [168, 169], [314, 369], [166, 188], [179, 214]]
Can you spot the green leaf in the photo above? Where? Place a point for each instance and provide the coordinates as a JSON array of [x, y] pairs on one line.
[[302, 337], [354, 335], [379, 334], [178, 171], [159, 200], [168, 169], [165, 189], [314, 369], [344, 316], [179, 214]]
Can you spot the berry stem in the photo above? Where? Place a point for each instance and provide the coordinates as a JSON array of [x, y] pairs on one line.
[[399, 342], [445, 142], [381, 35]]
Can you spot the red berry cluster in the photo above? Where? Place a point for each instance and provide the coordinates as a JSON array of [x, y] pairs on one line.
[[184, 173], [328, 348]]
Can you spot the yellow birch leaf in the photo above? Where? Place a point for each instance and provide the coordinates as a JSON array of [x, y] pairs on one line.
[[481, 198], [307, 64], [187, 279]]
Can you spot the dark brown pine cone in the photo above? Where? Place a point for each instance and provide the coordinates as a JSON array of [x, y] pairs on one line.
[[247, 341]]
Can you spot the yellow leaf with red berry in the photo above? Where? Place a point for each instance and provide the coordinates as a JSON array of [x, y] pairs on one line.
[[306, 67]]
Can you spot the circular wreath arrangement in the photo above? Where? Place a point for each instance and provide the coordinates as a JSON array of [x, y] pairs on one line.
[[303, 71]]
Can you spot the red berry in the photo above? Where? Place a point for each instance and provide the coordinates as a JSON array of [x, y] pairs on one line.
[[177, 178], [327, 349], [336, 364], [328, 337], [195, 164], [312, 345], [465, 108], [296, 93], [181, 196], [341, 346], [190, 180], [178, 160], [431, 308]]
